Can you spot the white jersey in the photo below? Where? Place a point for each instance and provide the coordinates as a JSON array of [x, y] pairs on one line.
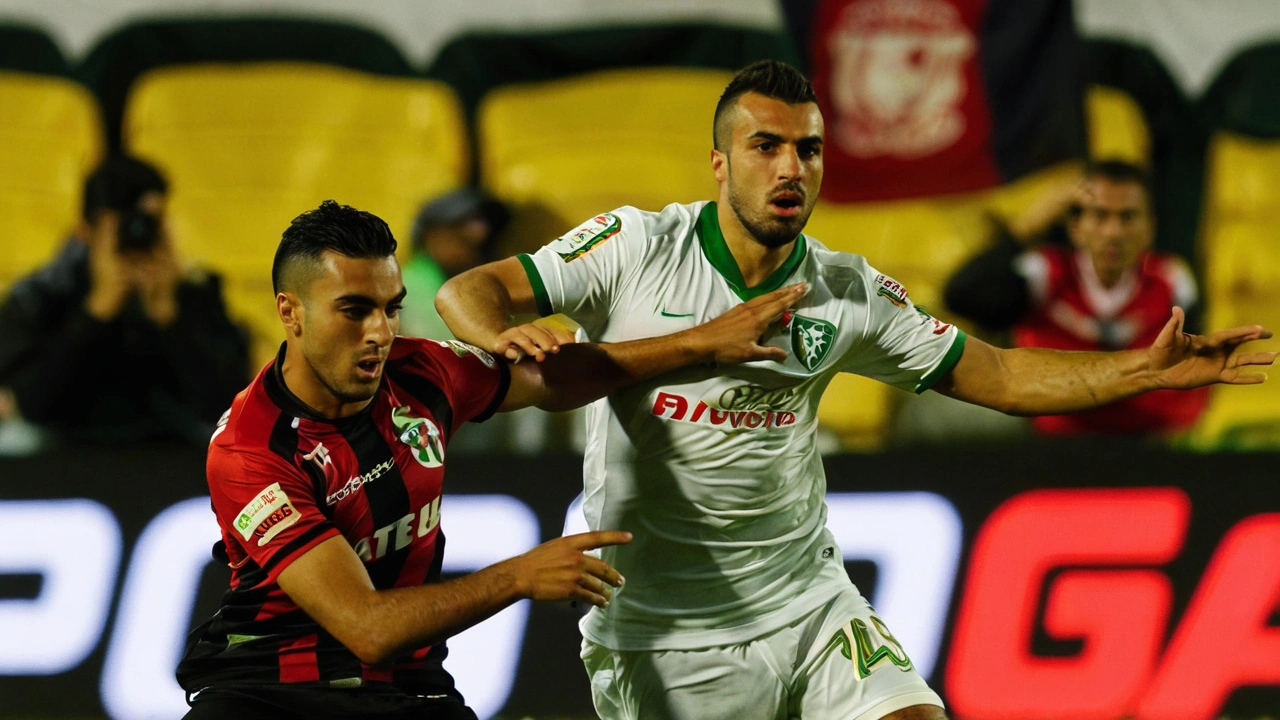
[[714, 469]]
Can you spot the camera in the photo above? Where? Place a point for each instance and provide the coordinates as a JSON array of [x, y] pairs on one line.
[[138, 230]]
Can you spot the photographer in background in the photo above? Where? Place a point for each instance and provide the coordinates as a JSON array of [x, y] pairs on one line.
[[114, 341]]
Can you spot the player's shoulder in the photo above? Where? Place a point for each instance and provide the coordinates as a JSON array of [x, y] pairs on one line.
[[250, 419], [421, 356], [1174, 273], [846, 275], [1167, 265], [670, 221]]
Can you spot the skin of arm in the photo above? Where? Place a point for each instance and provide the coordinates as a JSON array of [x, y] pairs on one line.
[[479, 303], [331, 585], [1033, 381]]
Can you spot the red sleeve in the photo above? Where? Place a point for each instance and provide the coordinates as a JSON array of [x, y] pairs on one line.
[[473, 382], [267, 507]]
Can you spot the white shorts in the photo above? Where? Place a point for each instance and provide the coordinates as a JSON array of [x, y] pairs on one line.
[[839, 662]]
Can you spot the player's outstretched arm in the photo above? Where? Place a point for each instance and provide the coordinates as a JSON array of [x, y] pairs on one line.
[[331, 585], [579, 373], [1032, 381]]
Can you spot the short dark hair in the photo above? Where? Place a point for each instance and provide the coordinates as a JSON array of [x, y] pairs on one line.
[[1119, 172], [118, 183], [770, 78], [331, 227]]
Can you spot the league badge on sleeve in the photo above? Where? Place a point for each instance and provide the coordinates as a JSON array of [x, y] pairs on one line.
[[891, 290], [266, 515], [587, 236]]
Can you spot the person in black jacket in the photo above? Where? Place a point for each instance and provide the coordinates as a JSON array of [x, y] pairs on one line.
[[114, 340]]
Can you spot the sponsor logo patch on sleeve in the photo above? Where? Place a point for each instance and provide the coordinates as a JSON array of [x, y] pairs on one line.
[[462, 350], [586, 237], [891, 290], [266, 515]]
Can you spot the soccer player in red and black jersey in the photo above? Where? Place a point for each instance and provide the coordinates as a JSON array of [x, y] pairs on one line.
[[326, 474]]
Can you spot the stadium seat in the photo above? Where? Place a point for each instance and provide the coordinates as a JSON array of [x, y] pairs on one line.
[[50, 139], [1117, 129], [248, 146], [563, 150], [1240, 258]]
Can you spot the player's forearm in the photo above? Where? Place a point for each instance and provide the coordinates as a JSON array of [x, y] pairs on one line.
[[584, 372], [477, 307], [1048, 382], [402, 620]]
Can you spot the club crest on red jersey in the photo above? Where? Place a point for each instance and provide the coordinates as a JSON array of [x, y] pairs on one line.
[[421, 435]]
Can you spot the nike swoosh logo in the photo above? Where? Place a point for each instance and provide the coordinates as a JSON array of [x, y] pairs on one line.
[[676, 315]]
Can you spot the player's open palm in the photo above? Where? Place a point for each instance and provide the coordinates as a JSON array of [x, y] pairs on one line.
[[561, 569], [1187, 361], [735, 336]]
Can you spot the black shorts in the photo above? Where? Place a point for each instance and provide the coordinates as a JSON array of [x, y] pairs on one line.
[[322, 703]]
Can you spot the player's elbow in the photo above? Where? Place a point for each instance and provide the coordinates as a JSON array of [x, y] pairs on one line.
[[448, 299], [372, 645]]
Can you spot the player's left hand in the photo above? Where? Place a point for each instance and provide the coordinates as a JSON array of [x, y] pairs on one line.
[[1185, 361], [536, 338]]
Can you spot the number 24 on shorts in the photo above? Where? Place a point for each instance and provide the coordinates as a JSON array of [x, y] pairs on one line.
[[856, 643]]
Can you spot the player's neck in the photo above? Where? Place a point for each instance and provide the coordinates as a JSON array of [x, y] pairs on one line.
[[756, 260], [301, 380]]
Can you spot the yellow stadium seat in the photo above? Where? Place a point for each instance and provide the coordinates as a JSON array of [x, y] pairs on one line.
[[1117, 129], [247, 147], [50, 140], [564, 150], [1240, 257]]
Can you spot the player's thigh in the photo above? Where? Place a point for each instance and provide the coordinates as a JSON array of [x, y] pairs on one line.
[[857, 669], [727, 683]]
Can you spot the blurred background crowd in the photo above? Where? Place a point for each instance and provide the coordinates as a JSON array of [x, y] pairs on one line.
[[1044, 172]]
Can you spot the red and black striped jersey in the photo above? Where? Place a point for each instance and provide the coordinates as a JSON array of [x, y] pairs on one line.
[[1073, 311], [282, 480]]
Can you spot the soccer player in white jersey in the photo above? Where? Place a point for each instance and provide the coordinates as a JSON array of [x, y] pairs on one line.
[[736, 603]]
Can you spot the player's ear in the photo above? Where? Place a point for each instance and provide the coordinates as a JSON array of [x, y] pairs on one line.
[[720, 165], [291, 311]]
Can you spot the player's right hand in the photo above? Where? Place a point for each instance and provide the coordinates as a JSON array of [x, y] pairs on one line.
[[735, 336], [531, 339], [561, 569]]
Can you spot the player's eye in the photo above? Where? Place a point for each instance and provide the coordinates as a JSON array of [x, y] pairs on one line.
[[355, 313], [765, 147], [394, 310]]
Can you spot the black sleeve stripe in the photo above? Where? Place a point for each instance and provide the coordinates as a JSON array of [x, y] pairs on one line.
[[504, 384], [284, 438], [295, 544], [427, 393]]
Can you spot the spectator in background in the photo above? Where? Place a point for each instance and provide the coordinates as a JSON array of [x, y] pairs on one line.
[[114, 340], [1099, 287], [452, 233]]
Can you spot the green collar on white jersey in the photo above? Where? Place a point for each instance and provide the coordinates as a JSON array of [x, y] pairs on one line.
[[717, 252]]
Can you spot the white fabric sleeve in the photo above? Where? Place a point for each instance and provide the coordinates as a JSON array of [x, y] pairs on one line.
[[1034, 267], [902, 345], [1181, 280], [582, 272]]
